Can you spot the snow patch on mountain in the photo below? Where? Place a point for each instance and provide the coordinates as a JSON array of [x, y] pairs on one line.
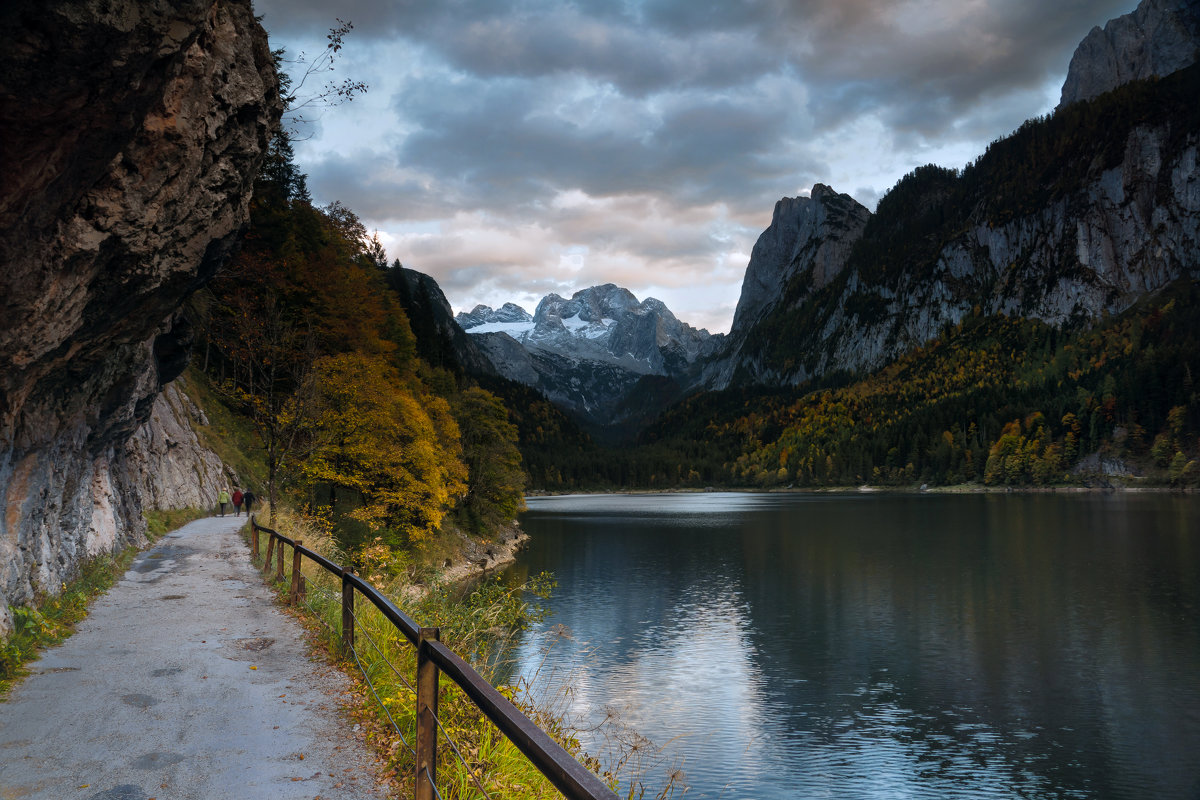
[[589, 352]]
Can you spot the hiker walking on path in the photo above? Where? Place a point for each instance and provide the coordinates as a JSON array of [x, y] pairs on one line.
[[237, 502], [223, 499], [248, 499], [185, 681]]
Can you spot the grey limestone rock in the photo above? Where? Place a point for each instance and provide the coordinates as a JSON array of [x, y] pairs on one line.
[[807, 236], [808, 241], [1157, 38], [132, 134], [1129, 232], [165, 461]]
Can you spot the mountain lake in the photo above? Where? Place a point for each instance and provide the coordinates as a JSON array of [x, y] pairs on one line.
[[875, 645]]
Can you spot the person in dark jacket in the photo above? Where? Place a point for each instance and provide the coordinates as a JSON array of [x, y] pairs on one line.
[[248, 499], [237, 502]]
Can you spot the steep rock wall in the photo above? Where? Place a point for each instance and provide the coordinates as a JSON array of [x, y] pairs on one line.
[[1129, 233], [1157, 38], [165, 461], [806, 246], [132, 132]]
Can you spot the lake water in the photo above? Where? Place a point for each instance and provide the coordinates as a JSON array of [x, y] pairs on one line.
[[879, 645]]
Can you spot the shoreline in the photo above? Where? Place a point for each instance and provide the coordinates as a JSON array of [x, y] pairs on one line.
[[958, 488], [478, 559]]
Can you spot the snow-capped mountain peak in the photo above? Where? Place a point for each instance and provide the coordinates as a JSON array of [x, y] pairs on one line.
[[588, 352]]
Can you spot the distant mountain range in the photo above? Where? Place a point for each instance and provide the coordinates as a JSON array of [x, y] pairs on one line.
[[591, 353]]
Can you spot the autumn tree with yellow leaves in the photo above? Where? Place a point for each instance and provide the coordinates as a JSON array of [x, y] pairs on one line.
[[396, 449], [303, 335]]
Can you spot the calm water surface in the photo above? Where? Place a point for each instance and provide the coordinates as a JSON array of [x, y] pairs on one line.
[[880, 646]]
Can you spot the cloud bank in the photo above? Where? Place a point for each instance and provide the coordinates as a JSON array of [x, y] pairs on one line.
[[513, 149]]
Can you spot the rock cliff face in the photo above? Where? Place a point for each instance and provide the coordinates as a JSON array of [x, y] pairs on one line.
[[440, 340], [1067, 220], [808, 242], [1129, 232], [809, 236], [1158, 38], [166, 463], [132, 132]]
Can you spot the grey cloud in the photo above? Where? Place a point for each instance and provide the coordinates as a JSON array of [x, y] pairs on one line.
[[680, 103], [637, 60], [373, 185], [539, 37], [860, 55], [501, 142], [920, 68]]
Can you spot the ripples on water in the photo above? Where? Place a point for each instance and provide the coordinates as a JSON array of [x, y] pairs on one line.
[[879, 646]]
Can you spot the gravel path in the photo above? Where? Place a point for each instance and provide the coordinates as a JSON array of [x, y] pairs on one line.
[[185, 681]]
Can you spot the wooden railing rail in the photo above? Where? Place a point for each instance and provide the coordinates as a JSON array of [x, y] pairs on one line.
[[434, 659]]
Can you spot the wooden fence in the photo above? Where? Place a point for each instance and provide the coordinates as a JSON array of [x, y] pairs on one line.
[[433, 660]]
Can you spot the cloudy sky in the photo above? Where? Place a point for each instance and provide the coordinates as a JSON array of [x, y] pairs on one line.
[[513, 149]]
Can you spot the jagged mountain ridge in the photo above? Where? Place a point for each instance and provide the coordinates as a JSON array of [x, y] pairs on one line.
[[1070, 218], [509, 313], [589, 352]]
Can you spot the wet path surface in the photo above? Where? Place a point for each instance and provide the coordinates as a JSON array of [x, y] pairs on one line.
[[185, 681]]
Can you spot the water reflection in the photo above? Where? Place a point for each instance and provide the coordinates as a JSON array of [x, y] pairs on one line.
[[883, 646]]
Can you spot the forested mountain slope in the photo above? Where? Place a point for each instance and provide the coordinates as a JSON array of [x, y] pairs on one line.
[[305, 334], [1070, 218]]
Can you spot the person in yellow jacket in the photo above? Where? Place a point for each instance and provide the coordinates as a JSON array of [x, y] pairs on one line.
[[223, 499]]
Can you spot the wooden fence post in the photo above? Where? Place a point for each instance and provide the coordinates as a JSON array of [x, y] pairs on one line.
[[254, 539], [270, 553], [347, 614], [427, 703], [294, 593], [279, 564]]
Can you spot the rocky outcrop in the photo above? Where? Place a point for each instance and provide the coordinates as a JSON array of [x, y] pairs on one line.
[[166, 463], [809, 237], [1130, 232], [132, 133], [589, 352], [1159, 37], [508, 356], [805, 247], [440, 340], [1069, 219]]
